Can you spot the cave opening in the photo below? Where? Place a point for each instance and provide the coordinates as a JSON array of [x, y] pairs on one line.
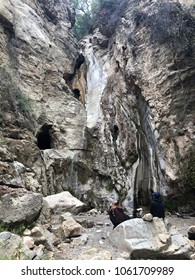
[[68, 77], [80, 60], [76, 92], [7, 25], [115, 132], [44, 140]]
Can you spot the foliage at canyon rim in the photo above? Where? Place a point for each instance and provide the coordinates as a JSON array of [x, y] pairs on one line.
[[86, 13]]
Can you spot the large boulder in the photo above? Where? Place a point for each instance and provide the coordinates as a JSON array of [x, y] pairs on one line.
[[150, 240], [58, 204], [67, 227], [180, 247], [20, 206]]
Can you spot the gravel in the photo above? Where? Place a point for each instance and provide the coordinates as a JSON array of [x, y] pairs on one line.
[[97, 235]]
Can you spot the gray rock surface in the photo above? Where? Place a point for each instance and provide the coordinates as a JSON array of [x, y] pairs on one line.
[[12, 247], [109, 117], [94, 242], [58, 204], [151, 240], [20, 207]]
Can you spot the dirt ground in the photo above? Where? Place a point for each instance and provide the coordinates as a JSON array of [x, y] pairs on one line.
[[98, 236]]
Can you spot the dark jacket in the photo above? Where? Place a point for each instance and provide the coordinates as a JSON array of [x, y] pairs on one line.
[[157, 208], [117, 215]]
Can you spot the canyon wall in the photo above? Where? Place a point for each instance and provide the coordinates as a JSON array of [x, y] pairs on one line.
[[109, 117]]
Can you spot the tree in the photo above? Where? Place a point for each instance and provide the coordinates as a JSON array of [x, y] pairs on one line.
[[86, 11], [83, 17], [98, 5], [82, 25]]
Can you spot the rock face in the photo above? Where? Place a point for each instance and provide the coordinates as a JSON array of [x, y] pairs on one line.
[[187, 2], [20, 207], [111, 117], [150, 240], [140, 98], [39, 111]]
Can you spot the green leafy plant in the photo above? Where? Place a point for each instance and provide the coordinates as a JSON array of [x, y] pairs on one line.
[[24, 103], [83, 17], [18, 253], [110, 185], [86, 11], [15, 228], [3, 227], [171, 206], [82, 25], [5, 258]]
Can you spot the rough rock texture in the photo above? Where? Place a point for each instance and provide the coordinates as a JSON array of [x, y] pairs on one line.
[[20, 207], [11, 247], [187, 2], [95, 254], [39, 111], [140, 99], [110, 120], [53, 205], [93, 243], [151, 240]]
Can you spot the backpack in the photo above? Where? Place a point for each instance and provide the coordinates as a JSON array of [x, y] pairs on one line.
[[119, 215]]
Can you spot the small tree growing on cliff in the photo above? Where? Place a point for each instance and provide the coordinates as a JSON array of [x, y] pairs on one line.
[[83, 17], [86, 11]]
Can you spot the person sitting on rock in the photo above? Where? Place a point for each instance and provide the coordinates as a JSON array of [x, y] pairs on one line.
[[117, 214], [156, 206]]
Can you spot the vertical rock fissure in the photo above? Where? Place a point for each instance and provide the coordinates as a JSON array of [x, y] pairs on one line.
[[148, 176]]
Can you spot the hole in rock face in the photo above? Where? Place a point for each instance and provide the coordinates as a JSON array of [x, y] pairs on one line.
[[44, 140], [80, 60], [8, 26], [76, 92], [115, 132], [68, 77]]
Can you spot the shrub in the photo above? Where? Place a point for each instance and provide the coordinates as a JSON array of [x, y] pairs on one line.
[[109, 185], [87, 11]]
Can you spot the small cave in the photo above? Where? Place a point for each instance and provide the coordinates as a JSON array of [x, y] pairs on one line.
[[115, 132], [44, 140], [124, 49], [80, 60], [69, 77], [7, 25], [117, 68], [76, 92]]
